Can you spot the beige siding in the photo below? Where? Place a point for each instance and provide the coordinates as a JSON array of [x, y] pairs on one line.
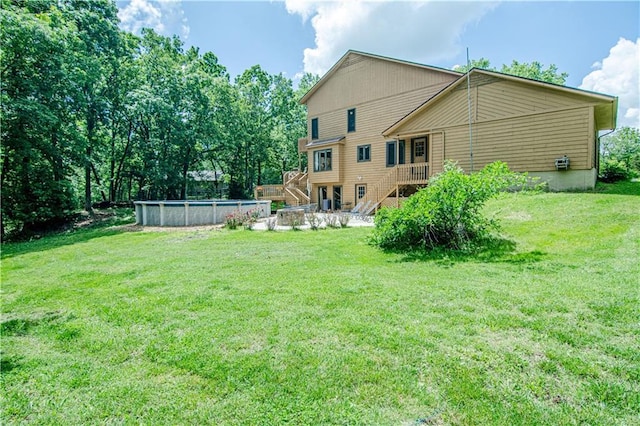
[[436, 144], [509, 98], [526, 126], [337, 164], [491, 99], [529, 143], [363, 79], [450, 110]]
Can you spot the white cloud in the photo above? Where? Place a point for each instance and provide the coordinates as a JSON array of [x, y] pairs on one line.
[[421, 31], [618, 75], [164, 16]]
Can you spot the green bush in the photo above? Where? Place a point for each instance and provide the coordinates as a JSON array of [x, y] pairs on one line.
[[447, 213], [620, 155], [612, 170]]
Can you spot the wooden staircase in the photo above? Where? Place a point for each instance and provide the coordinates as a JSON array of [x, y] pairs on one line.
[[397, 178], [295, 186], [292, 191]]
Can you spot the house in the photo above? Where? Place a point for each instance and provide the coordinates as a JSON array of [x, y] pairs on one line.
[[379, 128], [205, 184]]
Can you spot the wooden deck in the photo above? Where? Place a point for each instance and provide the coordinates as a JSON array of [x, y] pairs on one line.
[[292, 191], [270, 192]]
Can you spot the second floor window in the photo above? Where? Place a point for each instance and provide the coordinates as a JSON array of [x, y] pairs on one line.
[[351, 120], [364, 153], [314, 128], [322, 160]]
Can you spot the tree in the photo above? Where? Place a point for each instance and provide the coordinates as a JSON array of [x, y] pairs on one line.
[[87, 108], [481, 63], [121, 118], [620, 154], [96, 42], [39, 136], [533, 70]]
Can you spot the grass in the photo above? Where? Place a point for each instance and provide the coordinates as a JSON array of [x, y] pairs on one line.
[[246, 327]]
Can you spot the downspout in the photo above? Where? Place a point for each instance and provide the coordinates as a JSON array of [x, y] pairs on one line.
[[397, 166], [598, 151], [469, 108]]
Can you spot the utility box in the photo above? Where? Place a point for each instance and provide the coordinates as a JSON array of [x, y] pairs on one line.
[[562, 163]]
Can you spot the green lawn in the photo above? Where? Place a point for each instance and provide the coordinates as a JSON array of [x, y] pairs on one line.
[[106, 326]]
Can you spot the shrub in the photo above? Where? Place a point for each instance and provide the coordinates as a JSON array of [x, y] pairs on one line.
[[272, 222], [620, 155], [314, 220], [296, 224], [343, 219], [613, 171], [332, 221], [447, 213], [233, 220], [239, 218]]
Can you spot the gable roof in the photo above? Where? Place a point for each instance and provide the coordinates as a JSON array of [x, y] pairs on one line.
[[607, 110], [349, 52]]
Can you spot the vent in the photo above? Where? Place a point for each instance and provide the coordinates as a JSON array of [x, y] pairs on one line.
[[352, 60]]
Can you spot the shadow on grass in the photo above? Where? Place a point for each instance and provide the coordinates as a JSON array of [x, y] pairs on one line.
[[74, 236], [9, 362], [493, 250]]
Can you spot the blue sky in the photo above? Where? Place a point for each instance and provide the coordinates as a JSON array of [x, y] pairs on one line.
[[597, 43]]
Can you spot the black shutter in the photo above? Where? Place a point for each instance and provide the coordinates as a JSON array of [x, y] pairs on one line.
[[391, 154]]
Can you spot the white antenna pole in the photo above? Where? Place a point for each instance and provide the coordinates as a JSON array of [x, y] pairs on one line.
[[469, 105]]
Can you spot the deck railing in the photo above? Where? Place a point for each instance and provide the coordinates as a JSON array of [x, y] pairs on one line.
[[403, 174], [271, 192], [413, 174], [292, 191]]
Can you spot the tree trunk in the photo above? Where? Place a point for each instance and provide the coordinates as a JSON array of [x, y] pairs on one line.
[[185, 170], [95, 174], [87, 184], [91, 124], [118, 173]]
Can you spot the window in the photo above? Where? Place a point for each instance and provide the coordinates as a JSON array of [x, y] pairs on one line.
[[361, 190], [351, 120], [391, 153], [322, 160], [419, 147], [364, 153], [314, 128]]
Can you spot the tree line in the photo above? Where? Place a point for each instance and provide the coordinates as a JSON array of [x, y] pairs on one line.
[[91, 113]]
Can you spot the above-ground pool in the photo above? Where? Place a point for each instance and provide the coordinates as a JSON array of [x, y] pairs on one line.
[[190, 213]]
